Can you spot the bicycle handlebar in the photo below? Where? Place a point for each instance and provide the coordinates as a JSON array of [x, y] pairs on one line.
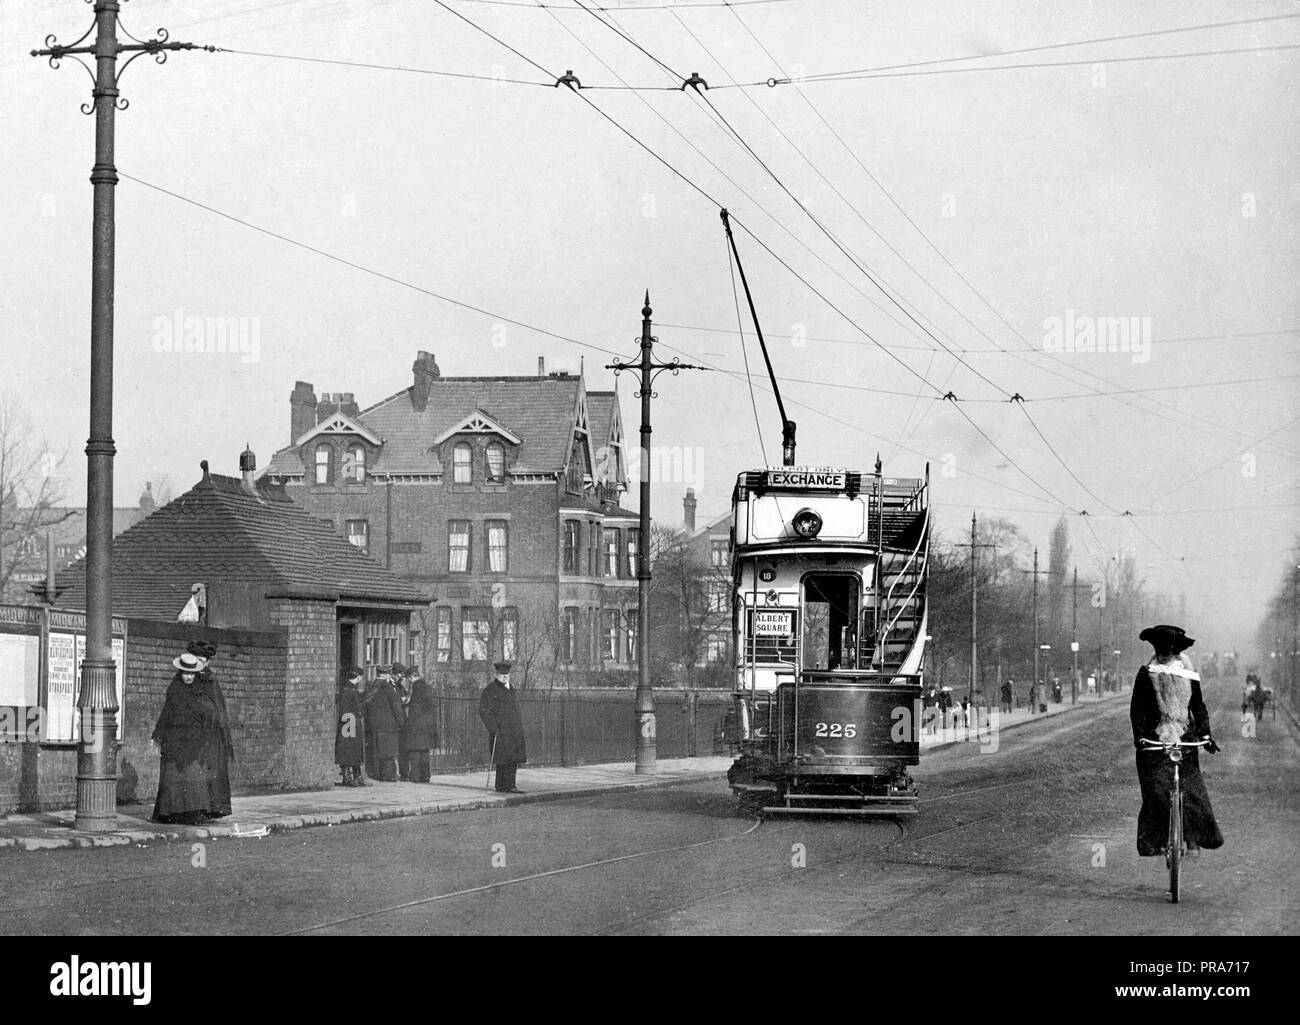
[[1161, 745]]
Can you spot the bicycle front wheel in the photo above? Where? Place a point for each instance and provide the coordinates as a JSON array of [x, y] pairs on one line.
[[1175, 852]]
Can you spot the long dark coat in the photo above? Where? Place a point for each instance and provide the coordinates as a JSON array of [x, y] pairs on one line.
[[193, 733], [499, 710], [348, 743], [384, 718], [421, 731], [1158, 713]]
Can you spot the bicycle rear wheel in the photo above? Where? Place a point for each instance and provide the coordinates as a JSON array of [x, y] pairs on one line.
[[1174, 855]]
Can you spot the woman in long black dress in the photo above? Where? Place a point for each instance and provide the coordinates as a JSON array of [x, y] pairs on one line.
[[1166, 707], [193, 736]]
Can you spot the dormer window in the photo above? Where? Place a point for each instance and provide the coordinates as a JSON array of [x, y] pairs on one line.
[[324, 464], [354, 465], [496, 463], [462, 472]]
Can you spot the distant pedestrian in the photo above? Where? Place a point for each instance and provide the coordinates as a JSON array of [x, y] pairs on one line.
[[349, 743], [402, 686], [193, 738], [384, 717], [499, 709], [421, 731], [1008, 695]]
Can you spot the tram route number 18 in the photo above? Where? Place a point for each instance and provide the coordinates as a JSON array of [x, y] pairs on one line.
[[836, 729]]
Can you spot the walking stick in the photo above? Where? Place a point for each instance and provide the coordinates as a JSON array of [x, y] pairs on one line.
[[491, 762]]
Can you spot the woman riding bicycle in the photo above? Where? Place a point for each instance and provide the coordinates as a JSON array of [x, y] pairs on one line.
[[1166, 708]]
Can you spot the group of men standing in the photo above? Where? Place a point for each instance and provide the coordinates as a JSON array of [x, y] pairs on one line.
[[391, 726]]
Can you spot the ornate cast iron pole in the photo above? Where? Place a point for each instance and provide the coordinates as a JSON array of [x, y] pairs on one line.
[[645, 705], [97, 698]]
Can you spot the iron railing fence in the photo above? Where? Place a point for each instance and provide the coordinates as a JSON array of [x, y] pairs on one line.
[[577, 728]]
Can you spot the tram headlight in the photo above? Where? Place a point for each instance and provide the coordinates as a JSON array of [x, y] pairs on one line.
[[806, 523]]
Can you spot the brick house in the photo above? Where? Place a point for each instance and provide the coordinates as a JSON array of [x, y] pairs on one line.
[[500, 494], [28, 531]]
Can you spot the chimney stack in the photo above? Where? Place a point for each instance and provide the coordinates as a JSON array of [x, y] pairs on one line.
[[247, 466], [425, 371], [689, 503], [348, 405], [302, 410], [541, 366], [327, 407]]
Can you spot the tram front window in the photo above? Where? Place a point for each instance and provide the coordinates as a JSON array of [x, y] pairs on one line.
[[830, 615]]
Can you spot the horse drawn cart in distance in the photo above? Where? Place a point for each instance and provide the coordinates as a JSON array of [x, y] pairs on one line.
[[1255, 697]]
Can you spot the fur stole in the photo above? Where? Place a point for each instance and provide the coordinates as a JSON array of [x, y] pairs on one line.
[[1172, 683]]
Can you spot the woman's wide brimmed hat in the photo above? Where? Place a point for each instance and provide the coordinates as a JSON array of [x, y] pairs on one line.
[[188, 663], [1172, 637], [203, 649]]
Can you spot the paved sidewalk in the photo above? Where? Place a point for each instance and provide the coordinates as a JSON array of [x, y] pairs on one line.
[[1001, 721], [266, 813]]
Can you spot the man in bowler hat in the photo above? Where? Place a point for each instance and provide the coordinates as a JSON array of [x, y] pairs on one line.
[[499, 709]]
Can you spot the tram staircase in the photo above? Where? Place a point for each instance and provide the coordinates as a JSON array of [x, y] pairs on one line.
[[904, 543]]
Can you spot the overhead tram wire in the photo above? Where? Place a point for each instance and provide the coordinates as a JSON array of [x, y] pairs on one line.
[[853, 259], [1193, 422], [833, 75], [799, 151], [749, 380], [1052, 448], [1027, 349], [385, 67], [869, 338], [862, 267], [363, 268], [726, 128], [701, 191], [1041, 64]]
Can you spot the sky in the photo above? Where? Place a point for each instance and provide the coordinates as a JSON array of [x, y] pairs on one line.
[[907, 233]]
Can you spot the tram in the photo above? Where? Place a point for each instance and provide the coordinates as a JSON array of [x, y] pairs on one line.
[[829, 574]]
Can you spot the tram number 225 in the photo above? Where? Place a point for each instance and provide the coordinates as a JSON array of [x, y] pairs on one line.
[[836, 729]]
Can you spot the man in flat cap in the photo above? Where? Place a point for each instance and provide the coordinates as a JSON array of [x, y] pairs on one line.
[[499, 710], [1167, 707]]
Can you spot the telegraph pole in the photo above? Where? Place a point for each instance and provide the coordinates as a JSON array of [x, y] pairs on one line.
[[97, 698], [1034, 686], [1074, 638], [974, 613], [645, 704]]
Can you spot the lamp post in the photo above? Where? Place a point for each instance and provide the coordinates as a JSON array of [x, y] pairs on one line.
[[97, 697], [645, 704]]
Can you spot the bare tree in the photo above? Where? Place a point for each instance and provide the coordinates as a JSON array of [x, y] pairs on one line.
[[30, 492]]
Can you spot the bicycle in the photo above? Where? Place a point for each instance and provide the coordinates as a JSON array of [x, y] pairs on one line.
[[1174, 845]]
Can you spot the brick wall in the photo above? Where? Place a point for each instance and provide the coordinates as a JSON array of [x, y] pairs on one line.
[[250, 666], [310, 689]]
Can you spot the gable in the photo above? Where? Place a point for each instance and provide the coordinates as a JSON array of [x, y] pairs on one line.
[[340, 424], [478, 422]]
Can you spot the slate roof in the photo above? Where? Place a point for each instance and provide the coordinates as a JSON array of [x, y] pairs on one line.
[[218, 532], [538, 409]]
